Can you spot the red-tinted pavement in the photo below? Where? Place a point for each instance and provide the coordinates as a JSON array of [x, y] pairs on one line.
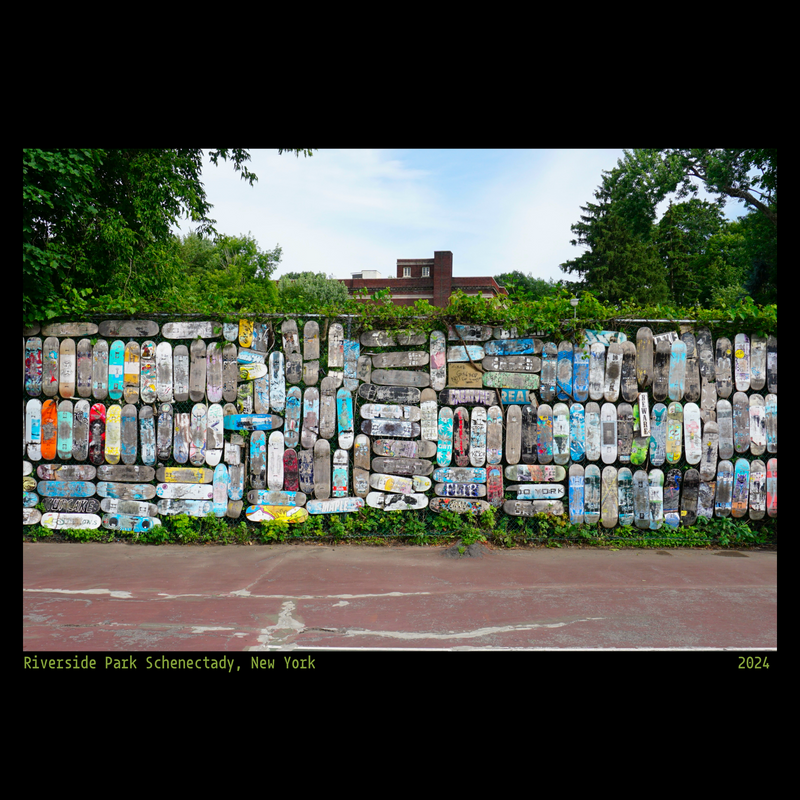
[[88, 597]]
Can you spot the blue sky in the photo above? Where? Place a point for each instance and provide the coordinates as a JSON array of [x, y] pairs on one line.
[[341, 211]]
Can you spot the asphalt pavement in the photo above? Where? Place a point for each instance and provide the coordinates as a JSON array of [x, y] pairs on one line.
[[313, 598]]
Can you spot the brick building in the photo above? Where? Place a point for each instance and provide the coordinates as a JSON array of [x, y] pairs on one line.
[[428, 279]]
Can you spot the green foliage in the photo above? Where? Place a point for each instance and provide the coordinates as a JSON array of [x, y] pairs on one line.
[[301, 291]]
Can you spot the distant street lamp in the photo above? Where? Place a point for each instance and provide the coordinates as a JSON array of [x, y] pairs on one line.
[[574, 303]]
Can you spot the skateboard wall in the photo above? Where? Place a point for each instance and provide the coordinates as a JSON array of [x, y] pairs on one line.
[[125, 422]]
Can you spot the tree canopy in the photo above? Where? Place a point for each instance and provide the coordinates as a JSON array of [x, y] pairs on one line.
[[692, 255], [99, 224]]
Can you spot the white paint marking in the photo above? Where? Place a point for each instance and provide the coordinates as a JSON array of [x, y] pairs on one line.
[[110, 592]]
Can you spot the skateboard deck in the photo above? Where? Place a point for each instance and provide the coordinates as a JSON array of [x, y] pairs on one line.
[[542, 491], [388, 394], [397, 502], [219, 497], [576, 494], [129, 522], [609, 497], [708, 449], [131, 372], [514, 380], [215, 439], [758, 489], [64, 416], [444, 450], [725, 425], [561, 441], [311, 341], [771, 422], [135, 328], [722, 367], [592, 494], [65, 488], [705, 354], [564, 369], [691, 390], [363, 371], [772, 365], [644, 357], [335, 505], [458, 505], [116, 362], [460, 490], [396, 377], [197, 371], [339, 476], [291, 471], [530, 508], [97, 433], [656, 498], [722, 501], [402, 466], [625, 497], [692, 433], [741, 362], [290, 337], [494, 435], [527, 364], [83, 374], [661, 367], [191, 330], [641, 441], [380, 411], [246, 332], [477, 437], [270, 498], [674, 439], [345, 418], [597, 370], [230, 331], [689, 497], [245, 356], [741, 422], [125, 473], [293, 366], [147, 375], [57, 521], [192, 508], [772, 487], [608, 423], [513, 347], [469, 333], [461, 397], [322, 469], [164, 372], [70, 329], [411, 358], [100, 370], [677, 371], [276, 513], [544, 433], [740, 489], [460, 475], [185, 491], [113, 433], [494, 485], [438, 361], [262, 333], [198, 429], [641, 506], [128, 443], [50, 366], [513, 451], [397, 483], [277, 382], [547, 391], [336, 345], [528, 435], [252, 422], [147, 436], [77, 505], [672, 492], [624, 432], [613, 375], [126, 491], [458, 353], [628, 382], [758, 425], [577, 432], [593, 432], [213, 372], [327, 408], [391, 338], [461, 437], [180, 363], [183, 475], [758, 362], [361, 465], [258, 460], [388, 427], [291, 425], [274, 471], [305, 466], [244, 398], [66, 472], [534, 473], [310, 430], [164, 432]]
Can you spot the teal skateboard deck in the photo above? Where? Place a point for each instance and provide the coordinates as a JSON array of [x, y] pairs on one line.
[[444, 451], [252, 422], [677, 371], [564, 370], [740, 489], [339, 477]]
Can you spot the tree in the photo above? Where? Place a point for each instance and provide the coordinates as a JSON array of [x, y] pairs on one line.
[[526, 287], [309, 290], [99, 222]]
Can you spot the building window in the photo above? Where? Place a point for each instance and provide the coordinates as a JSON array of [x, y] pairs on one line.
[[426, 272], [406, 272]]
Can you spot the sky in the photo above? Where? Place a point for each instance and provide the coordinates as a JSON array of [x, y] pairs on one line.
[[341, 211]]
